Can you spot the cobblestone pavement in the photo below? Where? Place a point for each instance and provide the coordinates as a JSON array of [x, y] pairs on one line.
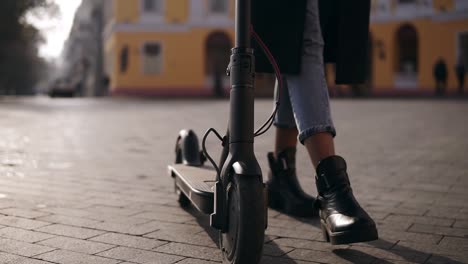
[[85, 181]]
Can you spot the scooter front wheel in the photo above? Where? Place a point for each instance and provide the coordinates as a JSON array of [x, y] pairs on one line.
[[243, 241]]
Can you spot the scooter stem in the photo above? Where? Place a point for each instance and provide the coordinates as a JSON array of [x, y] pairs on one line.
[[243, 21], [242, 71]]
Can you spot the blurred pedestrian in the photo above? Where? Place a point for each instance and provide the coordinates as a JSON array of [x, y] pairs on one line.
[[307, 36], [461, 72], [440, 76]]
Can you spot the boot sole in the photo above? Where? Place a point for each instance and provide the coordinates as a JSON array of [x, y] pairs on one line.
[[348, 237]]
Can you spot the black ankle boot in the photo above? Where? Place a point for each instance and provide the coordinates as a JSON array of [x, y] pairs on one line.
[[284, 191], [342, 219]]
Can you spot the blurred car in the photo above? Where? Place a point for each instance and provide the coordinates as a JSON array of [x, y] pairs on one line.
[[61, 88]]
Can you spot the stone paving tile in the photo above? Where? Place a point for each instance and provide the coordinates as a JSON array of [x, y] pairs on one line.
[[393, 236], [25, 213], [77, 183], [282, 260], [22, 248], [337, 256], [268, 238], [311, 234], [108, 202], [455, 213], [389, 225], [200, 239], [451, 200], [124, 228], [23, 235], [425, 186], [102, 209], [68, 220], [306, 244], [378, 215], [455, 242], [399, 255], [286, 224], [384, 261], [380, 243], [276, 250], [196, 261], [68, 257], [140, 256], [66, 211], [446, 231], [128, 220], [21, 222], [76, 245], [164, 217], [440, 249], [70, 231], [185, 250], [461, 224], [419, 220], [178, 228], [129, 241], [7, 203], [416, 211], [6, 258], [447, 260], [156, 208]]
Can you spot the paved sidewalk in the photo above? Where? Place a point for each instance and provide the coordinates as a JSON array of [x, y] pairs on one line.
[[85, 181]]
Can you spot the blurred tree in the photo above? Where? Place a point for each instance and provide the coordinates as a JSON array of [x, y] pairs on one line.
[[20, 65]]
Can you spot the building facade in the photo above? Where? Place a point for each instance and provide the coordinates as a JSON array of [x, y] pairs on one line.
[[169, 47], [82, 56], [182, 47], [408, 37]]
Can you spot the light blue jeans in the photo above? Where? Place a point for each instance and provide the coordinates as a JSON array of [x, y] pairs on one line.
[[304, 101]]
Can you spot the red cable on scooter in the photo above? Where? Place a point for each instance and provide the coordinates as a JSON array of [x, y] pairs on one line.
[[277, 71]]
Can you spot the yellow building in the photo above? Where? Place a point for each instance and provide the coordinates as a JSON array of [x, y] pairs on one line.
[[407, 39], [182, 47], [168, 47]]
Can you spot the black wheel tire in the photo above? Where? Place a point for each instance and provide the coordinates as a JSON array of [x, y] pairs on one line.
[[183, 200], [243, 242]]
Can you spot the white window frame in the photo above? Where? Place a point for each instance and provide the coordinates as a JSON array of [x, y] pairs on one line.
[[152, 17], [216, 18], [143, 57]]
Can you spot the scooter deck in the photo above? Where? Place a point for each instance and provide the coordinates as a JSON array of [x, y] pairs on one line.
[[197, 183]]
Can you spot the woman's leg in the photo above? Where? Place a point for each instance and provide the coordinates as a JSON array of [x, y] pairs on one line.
[[285, 138], [320, 146], [284, 191], [341, 217]]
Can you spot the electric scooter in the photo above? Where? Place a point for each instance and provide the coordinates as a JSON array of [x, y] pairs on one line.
[[233, 193]]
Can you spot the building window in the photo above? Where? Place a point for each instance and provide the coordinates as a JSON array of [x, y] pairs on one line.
[[152, 58], [407, 49], [153, 6], [124, 59], [219, 6]]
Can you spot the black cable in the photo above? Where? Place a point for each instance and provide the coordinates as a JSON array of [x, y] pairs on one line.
[[205, 152]]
